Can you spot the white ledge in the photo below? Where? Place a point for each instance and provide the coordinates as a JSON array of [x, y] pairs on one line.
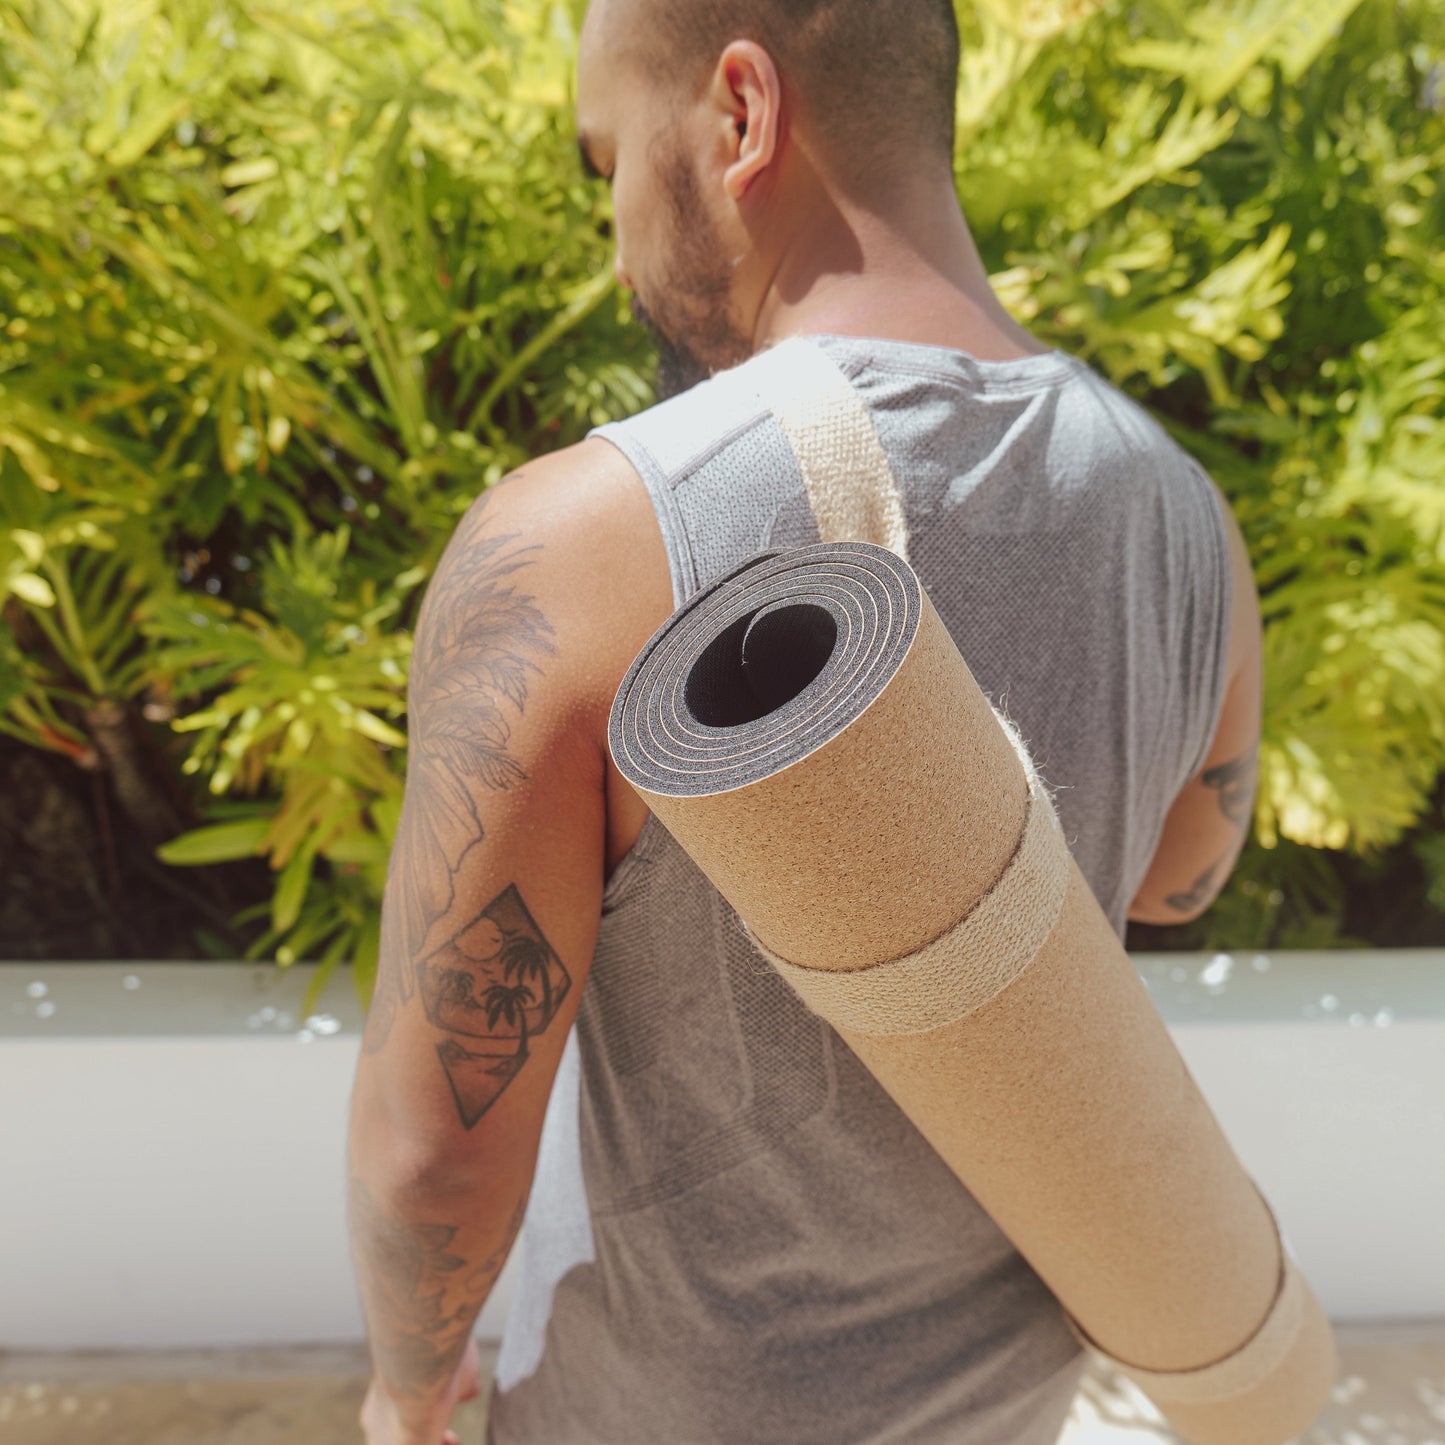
[[1351, 988], [173, 1141], [170, 1000]]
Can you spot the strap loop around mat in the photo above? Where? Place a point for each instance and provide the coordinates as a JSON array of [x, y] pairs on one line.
[[1244, 1368], [975, 960]]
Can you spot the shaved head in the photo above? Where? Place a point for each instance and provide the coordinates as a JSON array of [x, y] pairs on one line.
[[877, 79]]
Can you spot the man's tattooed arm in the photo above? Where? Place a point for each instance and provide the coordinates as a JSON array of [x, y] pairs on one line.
[[502, 808], [480, 640], [488, 979], [424, 1284]]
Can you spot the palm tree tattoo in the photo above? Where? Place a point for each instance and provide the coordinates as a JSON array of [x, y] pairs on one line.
[[475, 989]]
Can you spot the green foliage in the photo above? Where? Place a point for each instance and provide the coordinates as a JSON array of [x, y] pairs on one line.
[[283, 287]]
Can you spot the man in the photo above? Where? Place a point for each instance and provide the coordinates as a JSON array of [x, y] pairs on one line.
[[734, 1235]]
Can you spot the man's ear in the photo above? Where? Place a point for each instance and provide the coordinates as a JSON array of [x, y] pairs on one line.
[[748, 95]]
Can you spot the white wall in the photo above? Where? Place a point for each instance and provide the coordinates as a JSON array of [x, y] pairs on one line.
[[172, 1159], [1343, 1131], [172, 1162]]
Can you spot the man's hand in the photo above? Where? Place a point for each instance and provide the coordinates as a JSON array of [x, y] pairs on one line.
[[387, 1421]]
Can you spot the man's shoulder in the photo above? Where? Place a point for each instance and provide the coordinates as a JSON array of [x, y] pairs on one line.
[[585, 505], [562, 492], [573, 535]]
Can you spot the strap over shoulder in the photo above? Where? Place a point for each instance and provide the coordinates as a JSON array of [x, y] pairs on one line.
[[846, 475]]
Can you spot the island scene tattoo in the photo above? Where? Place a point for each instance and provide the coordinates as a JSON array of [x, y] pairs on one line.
[[487, 978], [489, 989]]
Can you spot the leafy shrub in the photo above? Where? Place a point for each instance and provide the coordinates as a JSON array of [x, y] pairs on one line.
[[283, 287]]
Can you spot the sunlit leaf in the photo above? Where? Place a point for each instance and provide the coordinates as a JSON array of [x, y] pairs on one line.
[[215, 843]]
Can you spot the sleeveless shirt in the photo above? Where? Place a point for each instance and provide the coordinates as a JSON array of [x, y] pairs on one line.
[[734, 1236]]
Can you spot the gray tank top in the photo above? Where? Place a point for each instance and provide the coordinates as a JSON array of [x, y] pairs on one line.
[[735, 1237]]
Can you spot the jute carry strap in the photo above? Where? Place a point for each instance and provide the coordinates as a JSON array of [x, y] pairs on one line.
[[970, 963], [846, 475], [1245, 1368]]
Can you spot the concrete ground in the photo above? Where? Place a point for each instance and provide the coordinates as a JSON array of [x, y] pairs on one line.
[[1391, 1391]]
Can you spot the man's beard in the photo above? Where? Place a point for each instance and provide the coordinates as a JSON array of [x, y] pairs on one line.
[[690, 323], [678, 370]]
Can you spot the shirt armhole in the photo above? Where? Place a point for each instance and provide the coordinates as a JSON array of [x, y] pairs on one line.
[[1222, 570]]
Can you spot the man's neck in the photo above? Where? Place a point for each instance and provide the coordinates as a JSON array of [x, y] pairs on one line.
[[862, 274]]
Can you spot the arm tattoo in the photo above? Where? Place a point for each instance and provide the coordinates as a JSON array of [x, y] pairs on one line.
[[494, 983], [426, 1304], [484, 1276], [488, 979], [1235, 781], [1198, 891]]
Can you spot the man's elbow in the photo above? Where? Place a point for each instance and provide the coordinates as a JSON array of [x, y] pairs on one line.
[[1167, 908], [1159, 915], [394, 1167], [414, 1150]]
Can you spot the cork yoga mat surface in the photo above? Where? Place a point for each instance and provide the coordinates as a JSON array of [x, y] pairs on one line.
[[749, 723], [809, 733]]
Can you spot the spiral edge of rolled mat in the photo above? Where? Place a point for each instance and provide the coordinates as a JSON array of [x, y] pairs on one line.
[[967, 965], [1244, 1368]]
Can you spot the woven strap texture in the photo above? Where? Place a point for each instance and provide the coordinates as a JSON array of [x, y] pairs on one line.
[[975, 960], [849, 483]]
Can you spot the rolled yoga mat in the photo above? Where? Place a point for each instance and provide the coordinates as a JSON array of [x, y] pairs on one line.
[[809, 733]]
